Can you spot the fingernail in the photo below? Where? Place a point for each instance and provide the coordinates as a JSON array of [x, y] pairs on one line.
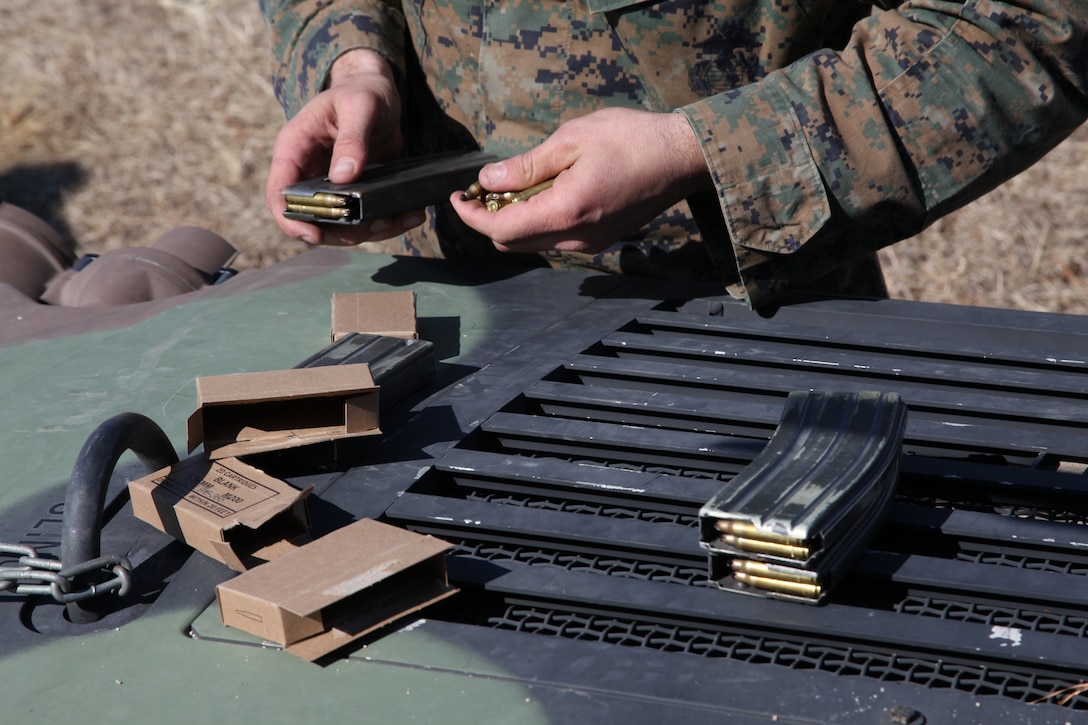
[[494, 173], [415, 219], [307, 239], [343, 167], [379, 225]]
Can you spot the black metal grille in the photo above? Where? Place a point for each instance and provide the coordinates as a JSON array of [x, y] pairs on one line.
[[852, 662], [1024, 562], [989, 615], [612, 566], [599, 468], [591, 509]]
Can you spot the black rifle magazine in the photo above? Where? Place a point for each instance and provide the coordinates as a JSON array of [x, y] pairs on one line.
[[384, 190], [398, 365], [792, 522]]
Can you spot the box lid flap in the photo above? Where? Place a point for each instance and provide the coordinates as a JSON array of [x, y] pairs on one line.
[[283, 384]]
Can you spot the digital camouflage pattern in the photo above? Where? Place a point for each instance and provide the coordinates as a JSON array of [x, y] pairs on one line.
[[819, 157]]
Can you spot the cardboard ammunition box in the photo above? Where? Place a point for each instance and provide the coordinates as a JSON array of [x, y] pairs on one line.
[[392, 314], [246, 413], [226, 509], [338, 588]]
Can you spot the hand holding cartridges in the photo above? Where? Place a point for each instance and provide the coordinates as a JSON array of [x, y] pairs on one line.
[[602, 190]]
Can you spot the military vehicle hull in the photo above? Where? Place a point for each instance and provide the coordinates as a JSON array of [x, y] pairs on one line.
[[573, 428]]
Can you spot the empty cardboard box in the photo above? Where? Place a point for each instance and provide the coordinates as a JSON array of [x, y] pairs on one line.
[[226, 509], [245, 413], [337, 589], [392, 314]]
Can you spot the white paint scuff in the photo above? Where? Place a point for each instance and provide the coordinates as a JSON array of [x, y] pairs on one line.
[[1012, 635]]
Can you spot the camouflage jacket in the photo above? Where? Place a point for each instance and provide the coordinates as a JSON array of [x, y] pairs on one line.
[[819, 157]]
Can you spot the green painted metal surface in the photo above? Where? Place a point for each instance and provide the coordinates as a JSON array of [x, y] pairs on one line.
[[151, 671], [54, 392]]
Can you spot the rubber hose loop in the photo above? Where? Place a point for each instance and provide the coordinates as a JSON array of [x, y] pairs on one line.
[[81, 538]]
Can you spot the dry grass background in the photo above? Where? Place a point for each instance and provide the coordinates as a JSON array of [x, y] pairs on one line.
[[122, 120]]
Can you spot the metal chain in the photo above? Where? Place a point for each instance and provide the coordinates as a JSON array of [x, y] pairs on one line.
[[35, 575]]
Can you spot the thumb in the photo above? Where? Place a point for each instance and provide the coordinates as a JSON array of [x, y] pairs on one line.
[[521, 171], [347, 158]]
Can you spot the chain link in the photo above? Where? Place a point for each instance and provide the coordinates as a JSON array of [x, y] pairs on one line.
[[32, 574]]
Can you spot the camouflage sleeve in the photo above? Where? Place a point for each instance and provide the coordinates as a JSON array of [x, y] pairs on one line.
[[930, 106], [307, 36]]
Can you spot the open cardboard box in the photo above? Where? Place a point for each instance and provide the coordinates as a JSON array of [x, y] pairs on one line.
[[226, 509], [392, 314], [244, 413], [337, 589]]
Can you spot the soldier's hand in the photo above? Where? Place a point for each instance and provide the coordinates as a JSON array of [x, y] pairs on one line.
[[615, 170], [356, 121]]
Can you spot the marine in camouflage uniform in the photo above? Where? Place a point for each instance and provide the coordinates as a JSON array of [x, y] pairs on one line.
[[818, 157]]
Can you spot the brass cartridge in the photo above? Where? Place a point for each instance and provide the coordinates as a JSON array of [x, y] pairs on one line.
[[474, 191], [495, 200], [322, 212], [748, 530], [761, 546], [768, 571], [531, 191], [318, 199], [780, 586]]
